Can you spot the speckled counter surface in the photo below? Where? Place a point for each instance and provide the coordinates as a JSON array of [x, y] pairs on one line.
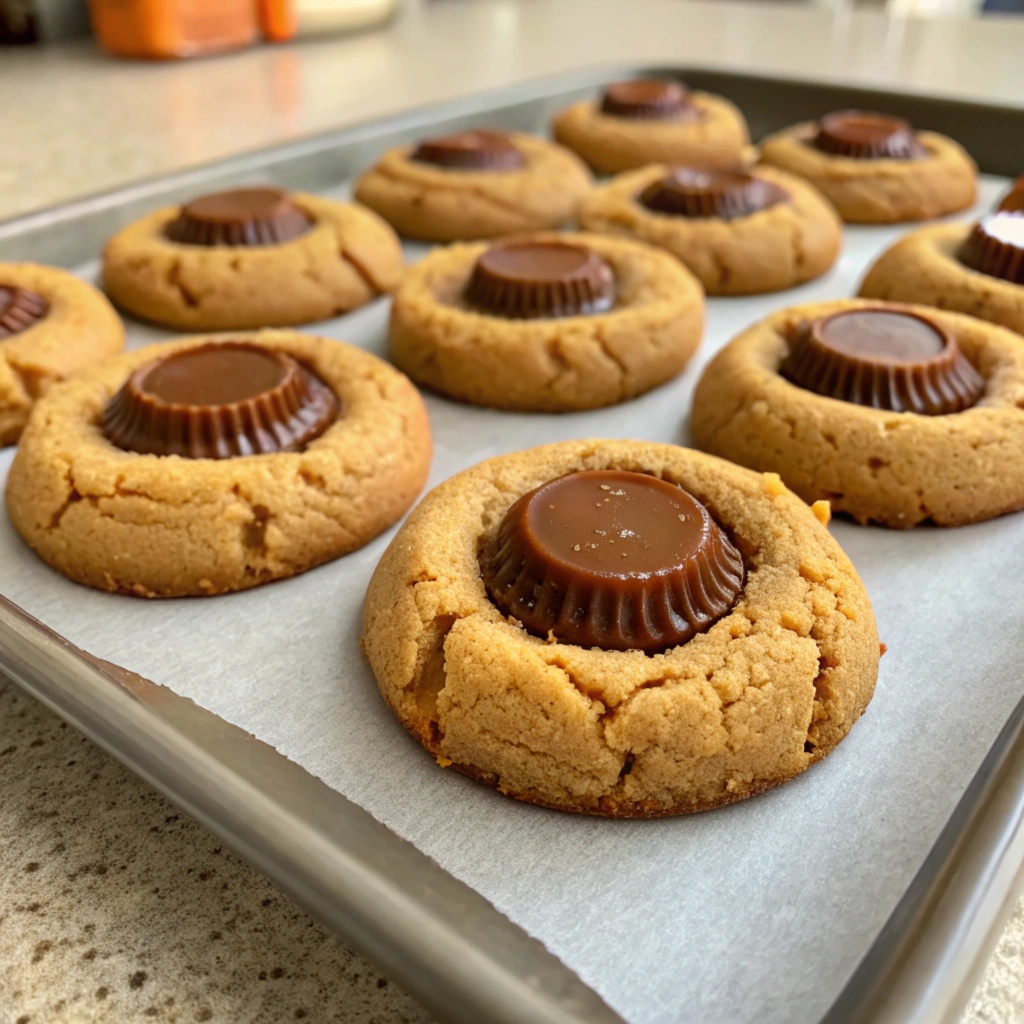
[[114, 906]]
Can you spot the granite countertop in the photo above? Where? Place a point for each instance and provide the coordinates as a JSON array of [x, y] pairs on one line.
[[114, 905]]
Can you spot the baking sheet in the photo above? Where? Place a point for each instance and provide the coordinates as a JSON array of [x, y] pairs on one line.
[[759, 911]]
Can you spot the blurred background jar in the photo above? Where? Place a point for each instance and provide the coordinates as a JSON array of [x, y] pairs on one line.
[[167, 29]]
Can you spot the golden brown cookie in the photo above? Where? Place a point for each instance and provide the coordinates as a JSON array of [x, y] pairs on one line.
[[739, 234], [769, 689], [926, 267], [646, 122], [450, 332], [51, 325], [267, 260], [897, 468], [875, 169], [474, 185], [169, 525]]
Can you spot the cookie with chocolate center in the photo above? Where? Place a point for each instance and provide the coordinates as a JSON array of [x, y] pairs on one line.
[[971, 268], [620, 628], [251, 257], [875, 168], [651, 121], [545, 322], [738, 232], [474, 184], [52, 324], [206, 466], [895, 414]]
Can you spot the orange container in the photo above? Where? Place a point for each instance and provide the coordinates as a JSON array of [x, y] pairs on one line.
[[278, 20], [173, 28]]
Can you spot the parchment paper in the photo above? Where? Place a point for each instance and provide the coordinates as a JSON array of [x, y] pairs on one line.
[[756, 912]]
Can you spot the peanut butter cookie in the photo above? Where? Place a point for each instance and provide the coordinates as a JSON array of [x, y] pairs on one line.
[[210, 465], [251, 258], [876, 169], [654, 122], [895, 414], [546, 322], [976, 269], [477, 184], [739, 234], [51, 325], [659, 689]]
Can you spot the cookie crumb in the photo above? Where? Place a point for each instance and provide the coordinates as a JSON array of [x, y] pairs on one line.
[[442, 761], [773, 485], [822, 512]]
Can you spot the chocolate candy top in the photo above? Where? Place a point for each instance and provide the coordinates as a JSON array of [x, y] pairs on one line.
[[612, 559], [1013, 201], [649, 99], [864, 135], [885, 359], [995, 247], [686, 192], [523, 280], [471, 151], [218, 401], [241, 217], [20, 309]]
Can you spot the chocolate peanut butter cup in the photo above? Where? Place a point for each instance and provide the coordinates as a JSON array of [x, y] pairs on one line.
[[995, 247], [471, 151], [241, 217], [884, 359], [218, 401], [612, 559], [525, 280], [864, 135], [20, 309], [728, 195], [649, 99]]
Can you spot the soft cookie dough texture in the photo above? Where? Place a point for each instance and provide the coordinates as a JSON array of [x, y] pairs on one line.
[[768, 690], [775, 248], [80, 328], [439, 204], [923, 267], [348, 257], [609, 143], [879, 191], [897, 469], [555, 364], [164, 526]]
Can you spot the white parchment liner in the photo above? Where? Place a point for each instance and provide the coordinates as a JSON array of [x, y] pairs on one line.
[[756, 912]]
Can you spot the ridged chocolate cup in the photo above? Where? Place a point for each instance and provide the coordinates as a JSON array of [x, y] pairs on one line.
[[219, 401], [471, 151], [865, 135], [524, 280], [612, 559], [20, 309], [884, 359], [241, 217], [1013, 201], [727, 195], [649, 99], [995, 246]]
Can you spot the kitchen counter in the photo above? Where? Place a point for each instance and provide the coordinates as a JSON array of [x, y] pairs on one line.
[[75, 122], [114, 906]]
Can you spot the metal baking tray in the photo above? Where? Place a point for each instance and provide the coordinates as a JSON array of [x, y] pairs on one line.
[[432, 933]]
